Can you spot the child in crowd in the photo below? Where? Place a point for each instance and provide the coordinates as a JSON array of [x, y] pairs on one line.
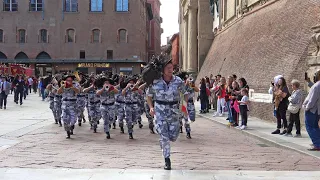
[[244, 108]]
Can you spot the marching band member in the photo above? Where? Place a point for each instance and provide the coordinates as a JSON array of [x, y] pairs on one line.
[[93, 105], [166, 94], [120, 104], [131, 93], [107, 107], [69, 97], [144, 88], [191, 89], [52, 92], [81, 103]]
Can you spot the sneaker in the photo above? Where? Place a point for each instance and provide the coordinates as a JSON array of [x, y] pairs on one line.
[[297, 136], [283, 132], [220, 115], [276, 131], [243, 127], [288, 134], [215, 114]]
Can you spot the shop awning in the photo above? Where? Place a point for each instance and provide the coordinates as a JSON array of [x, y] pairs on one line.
[[49, 61]]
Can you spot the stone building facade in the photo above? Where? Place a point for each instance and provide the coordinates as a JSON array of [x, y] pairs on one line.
[[196, 33], [64, 35], [155, 29], [259, 39]]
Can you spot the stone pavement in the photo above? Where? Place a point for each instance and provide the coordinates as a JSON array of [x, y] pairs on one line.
[[138, 174], [261, 129], [31, 140]]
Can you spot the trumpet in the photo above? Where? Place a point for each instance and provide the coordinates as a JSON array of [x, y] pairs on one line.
[[107, 88], [131, 86]]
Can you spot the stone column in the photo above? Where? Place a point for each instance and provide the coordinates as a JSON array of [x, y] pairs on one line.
[[185, 44], [192, 40]]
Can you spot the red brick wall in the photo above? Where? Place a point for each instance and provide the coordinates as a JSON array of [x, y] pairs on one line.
[[264, 44]]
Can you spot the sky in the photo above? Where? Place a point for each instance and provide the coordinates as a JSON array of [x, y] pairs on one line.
[[169, 12]]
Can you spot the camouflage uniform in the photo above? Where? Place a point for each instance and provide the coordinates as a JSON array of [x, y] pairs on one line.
[[107, 108], [191, 110], [94, 107], [120, 105], [147, 110], [131, 108], [81, 103], [140, 108], [51, 95], [69, 105], [57, 106], [167, 112], [87, 106]]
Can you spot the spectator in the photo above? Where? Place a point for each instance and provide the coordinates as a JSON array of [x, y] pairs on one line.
[[228, 100], [244, 108], [203, 96], [312, 113], [295, 102], [30, 83], [235, 97], [220, 91], [19, 89], [4, 91], [281, 95]]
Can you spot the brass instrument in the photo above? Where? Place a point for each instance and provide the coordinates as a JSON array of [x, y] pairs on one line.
[[76, 74]]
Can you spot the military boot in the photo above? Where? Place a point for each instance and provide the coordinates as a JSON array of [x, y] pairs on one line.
[[95, 128], [79, 122], [188, 135], [151, 129], [84, 119], [122, 129], [140, 125], [114, 125], [71, 129], [167, 164], [68, 135], [56, 121], [60, 124], [130, 136], [109, 126], [181, 129], [108, 135]]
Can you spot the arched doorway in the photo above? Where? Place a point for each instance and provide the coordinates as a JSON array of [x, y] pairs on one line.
[[43, 67], [43, 55], [21, 55], [2, 55]]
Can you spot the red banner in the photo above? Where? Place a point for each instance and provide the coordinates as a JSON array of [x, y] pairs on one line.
[[15, 69], [29, 72]]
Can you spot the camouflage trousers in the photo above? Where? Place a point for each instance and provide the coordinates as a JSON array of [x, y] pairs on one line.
[[140, 112], [191, 115], [57, 108], [51, 106], [149, 117], [81, 103], [168, 131], [94, 113], [120, 113], [69, 116], [131, 112], [87, 106], [107, 112], [167, 125]]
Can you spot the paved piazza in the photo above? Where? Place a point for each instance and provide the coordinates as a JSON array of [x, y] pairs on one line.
[[29, 139]]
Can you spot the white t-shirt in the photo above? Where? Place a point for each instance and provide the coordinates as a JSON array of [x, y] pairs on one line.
[[30, 81], [244, 99]]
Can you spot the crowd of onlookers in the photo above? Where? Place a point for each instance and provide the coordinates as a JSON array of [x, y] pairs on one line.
[[230, 96], [226, 96], [21, 86]]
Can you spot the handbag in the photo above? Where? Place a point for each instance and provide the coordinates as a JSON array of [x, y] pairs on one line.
[[293, 108]]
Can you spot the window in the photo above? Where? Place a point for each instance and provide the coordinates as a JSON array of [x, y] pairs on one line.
[[96, 36], [96, 5], [70, 35], [22, 36], [36, 5], [122, 35], [1, 36], [109, 54], [82, 54], [71, 5], [43, 36], [10, 5], [122, 5]]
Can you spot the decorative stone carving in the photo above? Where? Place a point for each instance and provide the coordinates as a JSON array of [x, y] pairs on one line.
[[315, 39]]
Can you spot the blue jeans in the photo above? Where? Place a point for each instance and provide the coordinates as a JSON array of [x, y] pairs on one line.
[[229, 111], [42, 94], [311, 121]]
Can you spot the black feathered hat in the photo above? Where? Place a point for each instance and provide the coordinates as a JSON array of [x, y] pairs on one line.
[[69, 75]]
